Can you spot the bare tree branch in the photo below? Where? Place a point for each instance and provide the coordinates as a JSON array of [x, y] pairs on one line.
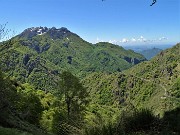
[[5, 34]]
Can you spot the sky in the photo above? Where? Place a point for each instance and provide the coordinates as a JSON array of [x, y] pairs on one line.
[[123, 22]]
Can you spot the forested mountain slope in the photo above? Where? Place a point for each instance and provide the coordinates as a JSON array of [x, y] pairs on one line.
[[153, 84], [38, 55]]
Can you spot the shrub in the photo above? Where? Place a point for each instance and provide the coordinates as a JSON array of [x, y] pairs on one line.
[[137, 121], [171, 120]]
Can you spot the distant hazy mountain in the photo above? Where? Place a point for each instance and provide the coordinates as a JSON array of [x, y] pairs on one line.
[[150, 53], [39, 54]]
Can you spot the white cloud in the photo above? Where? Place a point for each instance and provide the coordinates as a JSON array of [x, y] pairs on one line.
[[114, 41], [98, 40], [133, 40], [124, 40], [163, 38], [142, 39], [145, 40]]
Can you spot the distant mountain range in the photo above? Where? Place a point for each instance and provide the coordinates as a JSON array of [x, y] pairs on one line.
[[150, 53], [39, 54], [148, 46]]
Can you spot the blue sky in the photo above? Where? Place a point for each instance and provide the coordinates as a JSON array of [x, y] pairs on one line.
[[118, 21]]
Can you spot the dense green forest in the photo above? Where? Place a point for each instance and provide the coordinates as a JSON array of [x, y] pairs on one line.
[[59, 84]]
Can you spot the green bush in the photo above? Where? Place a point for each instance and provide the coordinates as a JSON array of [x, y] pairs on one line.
[[64, 125], [29, 107], [108, 129], [171, 120], [12, 131], [137, 121]]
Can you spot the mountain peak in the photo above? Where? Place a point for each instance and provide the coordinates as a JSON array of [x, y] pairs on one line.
[[60, 33], [53, 32], [63, 29], [36, 30]]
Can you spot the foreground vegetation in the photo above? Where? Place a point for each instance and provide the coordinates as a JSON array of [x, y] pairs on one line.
[[37, 112]]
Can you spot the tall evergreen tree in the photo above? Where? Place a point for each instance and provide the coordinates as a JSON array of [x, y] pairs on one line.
[[72, 94], [73, 101]]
